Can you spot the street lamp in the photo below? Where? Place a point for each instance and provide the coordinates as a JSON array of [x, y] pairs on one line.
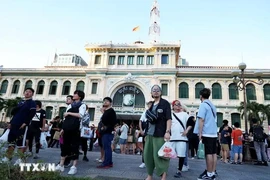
[[241, 82]]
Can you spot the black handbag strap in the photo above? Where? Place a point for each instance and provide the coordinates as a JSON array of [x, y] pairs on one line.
[[179, 121], [211, 109]]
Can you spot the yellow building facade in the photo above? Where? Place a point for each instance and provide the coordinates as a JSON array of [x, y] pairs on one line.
[[126, 72]]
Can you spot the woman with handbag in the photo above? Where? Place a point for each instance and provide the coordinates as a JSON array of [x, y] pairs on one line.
[[55, 132], [71, 132]]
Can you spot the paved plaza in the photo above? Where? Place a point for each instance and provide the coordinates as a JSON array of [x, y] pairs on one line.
[[126, 167]]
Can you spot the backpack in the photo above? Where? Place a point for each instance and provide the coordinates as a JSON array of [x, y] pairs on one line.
[[86, 119], [258, 134]]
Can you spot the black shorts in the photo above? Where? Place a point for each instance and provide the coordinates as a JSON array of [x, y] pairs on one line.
[[100, 142], [17, 136], [33, 132], [210, 145]]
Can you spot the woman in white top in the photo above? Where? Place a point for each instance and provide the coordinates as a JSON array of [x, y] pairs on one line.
[[180, 128]]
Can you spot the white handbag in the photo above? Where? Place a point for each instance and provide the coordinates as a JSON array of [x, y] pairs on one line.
[[86, 132]]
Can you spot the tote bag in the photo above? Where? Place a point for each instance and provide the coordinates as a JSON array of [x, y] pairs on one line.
[[86, 132], [201, 153]]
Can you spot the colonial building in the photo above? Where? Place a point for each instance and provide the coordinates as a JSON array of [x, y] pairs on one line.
[[126, 73]]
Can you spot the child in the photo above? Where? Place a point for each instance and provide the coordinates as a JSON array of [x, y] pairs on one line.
[[237, 137], [224, 143]]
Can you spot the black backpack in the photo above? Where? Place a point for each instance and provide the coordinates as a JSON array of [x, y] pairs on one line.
[[258, 134]]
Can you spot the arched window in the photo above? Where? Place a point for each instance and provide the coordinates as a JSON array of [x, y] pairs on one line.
[[4, 86], [62, 110], [235, 117], [251, 92], [28, 84], [198, 87], [40, 87], [233, 91], [80, 86], [216, 91], [53, 88], [16, 86], [66, 88], [183, 90], [49, 111], [266, 91], [219, 119]]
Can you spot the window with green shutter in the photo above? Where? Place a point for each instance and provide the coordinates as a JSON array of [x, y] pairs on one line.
[[130, 60], [49, 110], [4, 86], [164, 88], [233, 91], [266, 91], [219, 119], [183, 90], [216, 91], [251, 92], [198, 87], [235, 117], [80, 86], [91, 112]]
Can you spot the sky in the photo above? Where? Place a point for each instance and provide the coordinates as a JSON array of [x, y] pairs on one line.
[[212, 33]]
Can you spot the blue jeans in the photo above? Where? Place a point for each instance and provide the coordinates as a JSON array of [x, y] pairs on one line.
[[107, 141], [186, 158]]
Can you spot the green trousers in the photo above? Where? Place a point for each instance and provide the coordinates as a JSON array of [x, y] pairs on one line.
[[151, 159]]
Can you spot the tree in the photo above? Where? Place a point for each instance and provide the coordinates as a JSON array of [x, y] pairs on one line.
[[265, 110], [254, 110], [10, 104]]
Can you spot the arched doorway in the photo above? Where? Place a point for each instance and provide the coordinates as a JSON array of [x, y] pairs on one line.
[[129, 103]]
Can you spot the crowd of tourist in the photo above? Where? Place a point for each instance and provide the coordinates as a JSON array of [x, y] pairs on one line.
[[161, 122]]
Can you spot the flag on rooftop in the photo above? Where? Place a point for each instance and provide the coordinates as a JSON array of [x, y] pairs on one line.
[[136, 28]]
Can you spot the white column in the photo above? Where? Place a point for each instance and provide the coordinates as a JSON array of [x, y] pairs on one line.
[[9, 88], [21, 88], [59, 88]]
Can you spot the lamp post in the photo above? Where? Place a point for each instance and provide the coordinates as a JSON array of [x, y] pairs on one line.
[[241, 82]]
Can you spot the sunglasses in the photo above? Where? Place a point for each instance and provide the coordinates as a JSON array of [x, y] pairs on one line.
[[155, 90], [177, 104]]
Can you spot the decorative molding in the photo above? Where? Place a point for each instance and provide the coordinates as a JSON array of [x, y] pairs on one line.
[[146, 81], [110, 83], [129, 77]]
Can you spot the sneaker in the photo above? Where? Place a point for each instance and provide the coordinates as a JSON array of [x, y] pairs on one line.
[[258, 163], [85, 159], [36, 156], [142, 165], [178, 174], [265, 163], [73, 170], [205, 176], [18, 162], [192, 158], [216, 174], [59, 168], [185, 168], [100, 161]]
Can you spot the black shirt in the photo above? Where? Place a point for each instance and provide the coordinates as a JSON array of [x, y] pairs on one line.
[[37, 120], [229, 139], [164, 113], [109, 120]]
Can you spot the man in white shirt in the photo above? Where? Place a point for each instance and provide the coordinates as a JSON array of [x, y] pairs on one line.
[[123, 137]]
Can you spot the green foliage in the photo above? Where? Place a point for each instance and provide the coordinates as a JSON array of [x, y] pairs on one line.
[[9, 104], [255, 110], [10, 172]]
